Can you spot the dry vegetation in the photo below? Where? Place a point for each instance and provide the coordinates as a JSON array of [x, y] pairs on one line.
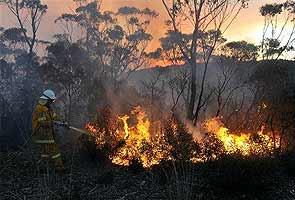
[[88, 177]]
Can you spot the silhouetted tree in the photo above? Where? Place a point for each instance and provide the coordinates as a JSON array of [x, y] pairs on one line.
[[118, 49], [202, 16], [27, 9], [279, 29], [65, 69], [240, 51]]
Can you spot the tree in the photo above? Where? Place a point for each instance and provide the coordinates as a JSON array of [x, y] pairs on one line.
[[178, 84], [23, 9], [275, 102], [240, 51], [115, 43], [29, 15], [279, 29], [12, 43], [154, 91], [65, 69], [207, 20], [227, 84], [230, 90], [117, 49]]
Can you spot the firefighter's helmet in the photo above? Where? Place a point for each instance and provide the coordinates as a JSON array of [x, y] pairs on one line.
[[48, 95]]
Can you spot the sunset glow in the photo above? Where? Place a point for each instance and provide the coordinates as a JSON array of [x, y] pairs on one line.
[[248, 25]]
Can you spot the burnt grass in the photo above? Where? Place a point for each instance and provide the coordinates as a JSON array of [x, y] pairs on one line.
[[230, 177]]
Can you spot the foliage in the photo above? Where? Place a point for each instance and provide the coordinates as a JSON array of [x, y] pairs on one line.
[[240, 51], [24, 9], [65, 69], [183, 147], [117, 48], [211, 147], [275, 101], [279, 29], [207, 21], [105, 143]]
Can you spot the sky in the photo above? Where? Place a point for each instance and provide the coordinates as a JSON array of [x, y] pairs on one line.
[[248, 25]]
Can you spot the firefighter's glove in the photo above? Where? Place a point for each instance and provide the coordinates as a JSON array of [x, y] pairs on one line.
[[66, 125], [63, 124]]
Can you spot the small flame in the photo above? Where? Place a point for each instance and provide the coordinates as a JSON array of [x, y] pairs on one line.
[[91, 128], [126, 128]]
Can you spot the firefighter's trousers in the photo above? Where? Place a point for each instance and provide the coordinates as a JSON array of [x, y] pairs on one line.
[[48, 154]]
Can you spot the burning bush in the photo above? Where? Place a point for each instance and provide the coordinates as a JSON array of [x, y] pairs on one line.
[[133, 139], [211, 147], [181, 142], [104, 128], [245, 143], [129, 138]]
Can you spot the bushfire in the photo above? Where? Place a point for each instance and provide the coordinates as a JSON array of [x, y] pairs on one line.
[[137, 138], [244, 143]]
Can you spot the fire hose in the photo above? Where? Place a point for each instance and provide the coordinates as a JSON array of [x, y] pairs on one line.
[[82, 131], [58, 123]]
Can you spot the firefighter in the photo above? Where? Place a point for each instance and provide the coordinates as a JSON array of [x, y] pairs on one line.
[[43, 136]]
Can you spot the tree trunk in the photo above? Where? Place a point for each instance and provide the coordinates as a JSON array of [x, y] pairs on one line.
[[70, 108], [191, 106], [199, 105]]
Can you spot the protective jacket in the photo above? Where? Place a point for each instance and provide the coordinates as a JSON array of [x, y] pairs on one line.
[[43, 134]]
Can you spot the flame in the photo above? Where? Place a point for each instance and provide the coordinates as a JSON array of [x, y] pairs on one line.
[[126, 128], [139, 142], [143, 140], [91, 128], [241, 142]]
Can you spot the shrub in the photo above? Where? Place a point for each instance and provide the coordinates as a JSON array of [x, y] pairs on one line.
[[183, 147], [211, 147]]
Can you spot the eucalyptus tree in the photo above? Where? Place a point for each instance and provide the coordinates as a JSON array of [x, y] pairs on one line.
[[117, 41], [195, 22], [29, 14], [240, 51], [23, 61], [64, 70], [279, 29]]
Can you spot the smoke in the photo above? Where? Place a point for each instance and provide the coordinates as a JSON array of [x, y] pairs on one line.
[[196, 131]]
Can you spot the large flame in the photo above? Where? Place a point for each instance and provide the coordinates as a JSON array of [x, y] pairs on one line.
[[140, 143], [144, 141], [244, 143]]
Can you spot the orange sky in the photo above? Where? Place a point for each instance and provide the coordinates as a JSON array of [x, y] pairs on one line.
[[247, 26]]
